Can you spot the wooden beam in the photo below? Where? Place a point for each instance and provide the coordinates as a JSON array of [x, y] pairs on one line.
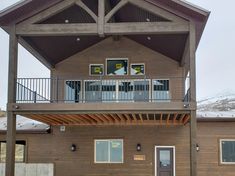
[[128, 118], [134, 117], [145, 28], [87, 119], [181, 118], [48, 12], [101, 14], [109, 117], [89, 11], [103, 108], [57, 29], [186, 119], [141, 117], [109, 29], [192, 55], [168, 119], [81, 119], [157, 11], [115, 9], [174, 119], [161, 119], [193, 120], [185, 57], [11, 117]]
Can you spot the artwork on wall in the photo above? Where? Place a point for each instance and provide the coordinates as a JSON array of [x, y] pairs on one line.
[[96, 69], [117, 66], [138, 69]]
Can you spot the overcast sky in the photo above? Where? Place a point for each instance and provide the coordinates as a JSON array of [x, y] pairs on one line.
[[215, 55]]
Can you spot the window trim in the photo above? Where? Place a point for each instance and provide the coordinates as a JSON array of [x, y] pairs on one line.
[[221, 153], [167, 79], [25, 154], [122, 58], [90, 65], [81, 86], [108, 162], [137, 64]]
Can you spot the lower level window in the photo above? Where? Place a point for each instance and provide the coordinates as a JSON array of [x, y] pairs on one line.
[[19, 151], [109, 151], [227, 151]]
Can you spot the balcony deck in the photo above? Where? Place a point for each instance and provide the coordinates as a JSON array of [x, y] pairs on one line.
[[101, 102]]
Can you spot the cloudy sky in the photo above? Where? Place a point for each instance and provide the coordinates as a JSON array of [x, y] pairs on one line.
[[215, 55]]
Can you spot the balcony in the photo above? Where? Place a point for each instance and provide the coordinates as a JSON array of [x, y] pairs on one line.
[[49, 90], [103, 101]]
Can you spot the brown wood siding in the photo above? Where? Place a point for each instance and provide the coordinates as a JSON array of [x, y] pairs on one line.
[[55, 148], [156, 65], [209, 134]]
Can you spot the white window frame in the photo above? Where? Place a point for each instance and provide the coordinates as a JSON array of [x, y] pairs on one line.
[[90, 65], [221, 153], [81, 86], [170, 97], [155, 156], [106, 65], [137, 64], [108, 162]]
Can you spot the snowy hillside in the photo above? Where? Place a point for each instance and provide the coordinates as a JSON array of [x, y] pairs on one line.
[[221, 105]]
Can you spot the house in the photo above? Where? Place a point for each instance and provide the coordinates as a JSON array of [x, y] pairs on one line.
[[215, 134], [121, 99]]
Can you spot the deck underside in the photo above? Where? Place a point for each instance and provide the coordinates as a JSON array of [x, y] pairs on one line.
[[168, 119]]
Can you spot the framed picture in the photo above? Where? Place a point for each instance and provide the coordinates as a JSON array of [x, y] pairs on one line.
[[96, 69], [117, 66], [138, 69]]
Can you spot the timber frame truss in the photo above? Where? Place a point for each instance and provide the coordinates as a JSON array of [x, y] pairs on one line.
[[102, 27]]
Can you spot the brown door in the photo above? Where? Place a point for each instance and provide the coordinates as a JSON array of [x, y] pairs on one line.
[[165, 162]]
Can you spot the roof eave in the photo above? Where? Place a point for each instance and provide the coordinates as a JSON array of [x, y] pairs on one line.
[[13, 7]]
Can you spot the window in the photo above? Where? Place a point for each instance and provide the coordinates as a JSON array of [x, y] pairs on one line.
[[72, 91], [19, 154], [227, 151], [96, 69], [161, 90], [109, 151], [117, 66], [137, 69]]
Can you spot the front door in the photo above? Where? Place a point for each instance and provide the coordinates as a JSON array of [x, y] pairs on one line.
[[164, 161]]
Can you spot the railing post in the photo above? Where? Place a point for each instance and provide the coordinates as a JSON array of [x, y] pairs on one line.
[[57, 89], [34, 97], [100, 97], [145, 88]]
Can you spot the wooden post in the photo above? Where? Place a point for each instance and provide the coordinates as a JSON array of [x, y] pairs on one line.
[[101, 15], [11, 117], [193, 121]]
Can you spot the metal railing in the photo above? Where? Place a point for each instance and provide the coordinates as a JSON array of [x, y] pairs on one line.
[[53, 90]]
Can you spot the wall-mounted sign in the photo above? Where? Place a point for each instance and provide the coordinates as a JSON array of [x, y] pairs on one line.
[[96, 69], [137, 69], [139, 157], [117, 66]]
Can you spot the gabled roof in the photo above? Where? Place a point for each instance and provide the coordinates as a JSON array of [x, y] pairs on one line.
[[20, 10], [160, 43]]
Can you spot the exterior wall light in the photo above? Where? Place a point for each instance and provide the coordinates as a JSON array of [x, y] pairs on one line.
[[197, 148], [73, 148], [138, 147]]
